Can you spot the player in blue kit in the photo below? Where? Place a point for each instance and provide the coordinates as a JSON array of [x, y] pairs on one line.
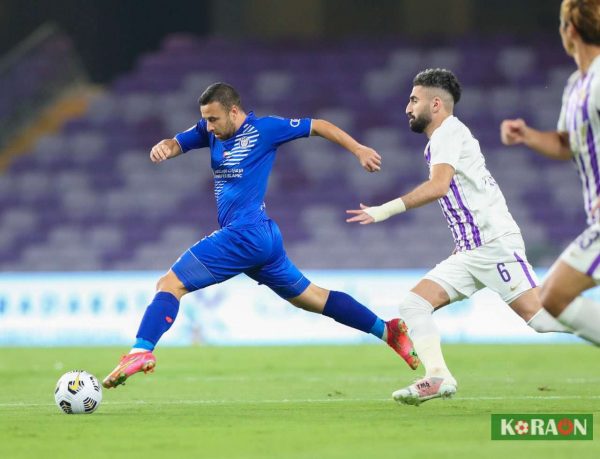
[[242, 148]]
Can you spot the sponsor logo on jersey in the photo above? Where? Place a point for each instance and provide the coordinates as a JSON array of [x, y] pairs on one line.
[[295, 122]]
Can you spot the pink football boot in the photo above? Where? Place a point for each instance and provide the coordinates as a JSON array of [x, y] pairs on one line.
[[399, 341], [130, 364]]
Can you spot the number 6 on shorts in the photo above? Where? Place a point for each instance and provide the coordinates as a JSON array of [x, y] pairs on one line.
[[504, 274]]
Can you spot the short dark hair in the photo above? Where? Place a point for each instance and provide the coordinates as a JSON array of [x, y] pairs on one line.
[[223, 93], [439, 78]]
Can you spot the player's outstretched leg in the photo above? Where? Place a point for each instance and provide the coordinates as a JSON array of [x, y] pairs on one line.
[[158, 318], [425, 389], [438, 381], [583, 314], [561, 297], [128, 366], [344, 309], [528, 305], [398, 339]]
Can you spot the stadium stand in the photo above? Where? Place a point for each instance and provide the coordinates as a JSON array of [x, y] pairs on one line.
[[87, 197]]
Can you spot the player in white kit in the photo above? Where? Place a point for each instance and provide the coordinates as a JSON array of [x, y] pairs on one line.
[[576, 138], [489, 248]]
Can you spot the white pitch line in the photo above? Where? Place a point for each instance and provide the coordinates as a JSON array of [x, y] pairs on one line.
[[206, 402], [308, 400], [536, 397]]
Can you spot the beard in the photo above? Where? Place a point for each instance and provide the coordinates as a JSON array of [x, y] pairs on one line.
[[228, 131], [420, 123]]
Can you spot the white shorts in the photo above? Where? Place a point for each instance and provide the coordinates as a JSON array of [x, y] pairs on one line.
[[583, 254], [501, 265]]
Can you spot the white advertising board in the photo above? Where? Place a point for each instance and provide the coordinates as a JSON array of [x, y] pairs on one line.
[[105, 309]]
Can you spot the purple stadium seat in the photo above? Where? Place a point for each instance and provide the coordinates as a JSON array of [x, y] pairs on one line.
[[92, 183]]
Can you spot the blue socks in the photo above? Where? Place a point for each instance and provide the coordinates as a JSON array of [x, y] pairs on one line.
[[158, 318], [378, 329], [341, 307], [344, 309]]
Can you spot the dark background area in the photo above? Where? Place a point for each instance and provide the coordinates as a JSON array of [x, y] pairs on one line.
[[109, 34]]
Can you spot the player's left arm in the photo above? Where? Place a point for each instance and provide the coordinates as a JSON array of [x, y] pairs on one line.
[[368, 158], [436, 187]]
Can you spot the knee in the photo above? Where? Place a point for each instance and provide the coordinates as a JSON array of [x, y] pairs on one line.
[[170, 283], [163, 283], [416, 311], [313, 299], [413, 302]]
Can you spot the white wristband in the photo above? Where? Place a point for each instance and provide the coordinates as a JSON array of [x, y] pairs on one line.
[[385, 211]]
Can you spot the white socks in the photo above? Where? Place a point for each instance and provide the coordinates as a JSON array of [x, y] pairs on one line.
[[543, 322], [583, 316], [429, 351], [416, 312]]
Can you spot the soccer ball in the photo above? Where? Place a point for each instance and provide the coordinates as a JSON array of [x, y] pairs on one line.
[[78, 392]]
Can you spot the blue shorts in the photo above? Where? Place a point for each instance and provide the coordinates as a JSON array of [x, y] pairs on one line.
[[255, 250]]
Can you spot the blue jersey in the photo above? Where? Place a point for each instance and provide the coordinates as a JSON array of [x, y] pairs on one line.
[[241, 164]]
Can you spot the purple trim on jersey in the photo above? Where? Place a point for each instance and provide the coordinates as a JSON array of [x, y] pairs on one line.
[[593, 266], [471, 219], [450, 213], [591, 147], [468, 215], [449, 220], [571, 123], [593, 157], [461, 227], [572, 104], [525, 270], [583, 176]]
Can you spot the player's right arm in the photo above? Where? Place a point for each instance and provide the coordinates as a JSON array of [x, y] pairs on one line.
[[165, 149], [553, 144], [436, 187], [194, 137]]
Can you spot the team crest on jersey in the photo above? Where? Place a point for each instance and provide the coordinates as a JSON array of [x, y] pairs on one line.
[[242, 145]]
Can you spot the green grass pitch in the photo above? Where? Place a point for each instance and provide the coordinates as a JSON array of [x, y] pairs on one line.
[[294, 402]]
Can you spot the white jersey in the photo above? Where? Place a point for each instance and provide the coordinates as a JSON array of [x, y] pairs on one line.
[[474, 206], [580, 117]]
